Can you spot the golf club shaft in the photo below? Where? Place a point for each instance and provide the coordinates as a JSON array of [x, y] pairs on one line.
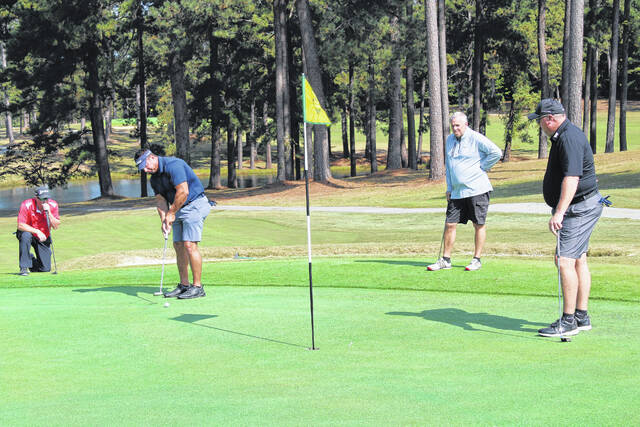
[[164, 252], [442, 240], [560, 308], [53, 253]]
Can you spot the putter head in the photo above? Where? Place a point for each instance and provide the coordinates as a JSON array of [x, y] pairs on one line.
[[158, 293], [565, 339], [55, 272]]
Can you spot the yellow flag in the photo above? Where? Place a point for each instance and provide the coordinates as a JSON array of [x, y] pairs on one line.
[[313, 111]]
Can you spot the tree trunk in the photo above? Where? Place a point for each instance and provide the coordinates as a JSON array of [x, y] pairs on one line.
[[478, 61], [444, 82], [215, 179], [239, 148], [587, 90], [545, 90], [252, 136], [435, 103], [593, 138], [267, 141], [283, 118], [97, 128], [179, 101], [626, 28], [508, 134], [141, 91], [423, 85], [372, 116], [574, 109], [8, 120], [613, 73], [345, 132], [232, 179], [394, 146], [411, 120], [352, 124], [321, 170], [566, 53]]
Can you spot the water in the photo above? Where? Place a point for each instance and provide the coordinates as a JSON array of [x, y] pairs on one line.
[[86, 190]]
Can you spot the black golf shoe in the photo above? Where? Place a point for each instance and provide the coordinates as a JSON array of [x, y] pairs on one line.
[[560, 327], [584, 322], [179, 290], [192, 292]]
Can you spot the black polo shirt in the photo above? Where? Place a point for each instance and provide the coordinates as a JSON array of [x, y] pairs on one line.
[[570, 155]]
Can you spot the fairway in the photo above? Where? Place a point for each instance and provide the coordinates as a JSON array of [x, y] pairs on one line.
[[461, 348]]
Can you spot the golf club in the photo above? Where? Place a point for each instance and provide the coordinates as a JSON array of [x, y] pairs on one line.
[[562, 337], [55, 265], [164, 252]]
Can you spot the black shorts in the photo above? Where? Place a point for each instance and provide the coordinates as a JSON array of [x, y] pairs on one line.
[[472, 208]]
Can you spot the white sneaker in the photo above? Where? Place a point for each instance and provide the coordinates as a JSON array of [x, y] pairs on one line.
[[441, 264], [474, 265]]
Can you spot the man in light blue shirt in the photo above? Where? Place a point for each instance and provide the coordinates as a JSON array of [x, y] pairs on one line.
[[468, 156]]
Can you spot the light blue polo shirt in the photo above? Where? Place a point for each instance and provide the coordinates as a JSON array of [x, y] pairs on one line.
[[467, 162]]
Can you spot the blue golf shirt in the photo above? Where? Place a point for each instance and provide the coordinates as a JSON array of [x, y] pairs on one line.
[[171, 172], [467, 162]]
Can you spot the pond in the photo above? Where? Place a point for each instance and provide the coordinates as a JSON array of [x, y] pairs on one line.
[[11, 198]]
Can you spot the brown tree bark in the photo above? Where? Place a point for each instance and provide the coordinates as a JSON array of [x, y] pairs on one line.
[[613, 77], [437, 170]]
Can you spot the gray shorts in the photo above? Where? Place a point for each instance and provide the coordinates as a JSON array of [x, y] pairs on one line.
[[472, 208], [577, 226], [190, 220]]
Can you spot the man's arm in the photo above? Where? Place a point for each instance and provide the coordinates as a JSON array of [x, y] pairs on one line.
[[162, 206], [182, 193], [568, 190], [491, 153], [26, 227], [53, 221]]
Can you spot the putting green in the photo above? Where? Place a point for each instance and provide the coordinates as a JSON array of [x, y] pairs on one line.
[[116, 355]]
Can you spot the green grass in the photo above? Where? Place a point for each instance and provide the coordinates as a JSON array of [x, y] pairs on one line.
[[396, 346]]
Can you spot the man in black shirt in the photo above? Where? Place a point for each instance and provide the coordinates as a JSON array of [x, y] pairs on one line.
[[570, 189]]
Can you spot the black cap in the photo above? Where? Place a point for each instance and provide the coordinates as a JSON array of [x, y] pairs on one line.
[[42, 193], [545, 107]]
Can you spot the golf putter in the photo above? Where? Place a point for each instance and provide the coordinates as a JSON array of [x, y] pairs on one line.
[[164, 252], [562, 337], [55, 265]]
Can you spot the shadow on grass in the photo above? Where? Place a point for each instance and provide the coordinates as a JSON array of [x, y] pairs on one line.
[[465, 320], [193, 318], [132, 291], [421, 264], [394, 262]]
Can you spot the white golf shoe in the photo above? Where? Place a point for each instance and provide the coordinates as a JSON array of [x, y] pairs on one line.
[[474, 265], [441, 264]]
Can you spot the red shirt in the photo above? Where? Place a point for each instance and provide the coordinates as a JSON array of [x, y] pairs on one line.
[[30, 214]]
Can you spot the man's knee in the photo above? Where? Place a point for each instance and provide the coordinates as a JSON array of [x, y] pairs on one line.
[[566, 263], [25, 237], [190, 247]]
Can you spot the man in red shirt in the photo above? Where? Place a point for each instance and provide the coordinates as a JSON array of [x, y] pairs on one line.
[[33, 230]]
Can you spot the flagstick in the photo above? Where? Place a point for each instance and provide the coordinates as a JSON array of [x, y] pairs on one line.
[[306, 184]]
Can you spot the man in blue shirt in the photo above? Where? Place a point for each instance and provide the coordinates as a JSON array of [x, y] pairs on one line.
[[182, 206], [468, 157]]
